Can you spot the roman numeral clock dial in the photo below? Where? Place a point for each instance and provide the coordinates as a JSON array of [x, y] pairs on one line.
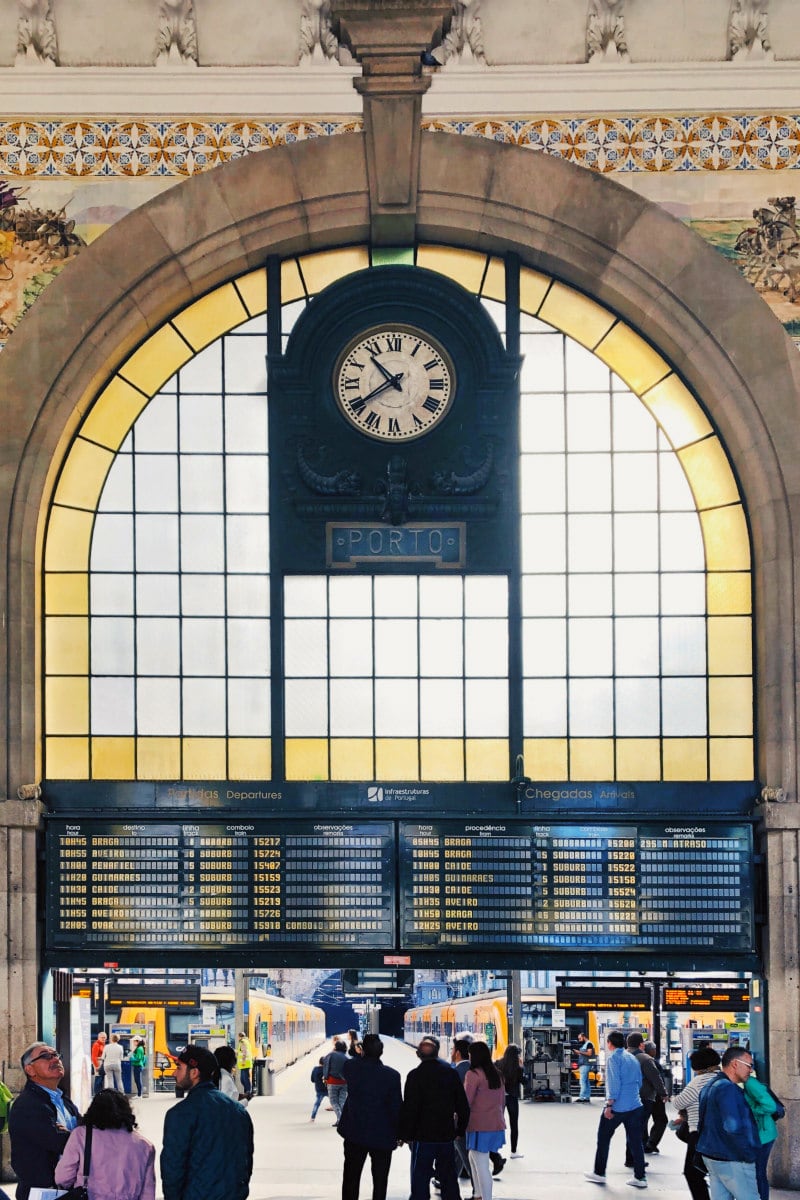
[[394, 383]]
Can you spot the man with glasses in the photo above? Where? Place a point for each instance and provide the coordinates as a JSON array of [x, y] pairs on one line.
[[39, 1121], [728, 1136]]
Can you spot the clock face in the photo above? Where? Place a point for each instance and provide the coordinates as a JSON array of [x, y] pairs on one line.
[[394, 383]]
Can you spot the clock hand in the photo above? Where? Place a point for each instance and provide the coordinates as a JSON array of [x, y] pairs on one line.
[[393, 379]]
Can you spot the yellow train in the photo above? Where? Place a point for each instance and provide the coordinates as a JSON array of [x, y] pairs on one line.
[[485, 1016]]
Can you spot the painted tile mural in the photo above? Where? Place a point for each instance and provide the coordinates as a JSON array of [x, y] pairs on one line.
[[63, 182]]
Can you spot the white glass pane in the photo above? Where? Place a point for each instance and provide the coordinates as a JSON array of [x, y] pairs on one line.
[[636, 595], [351, 707], [156, 427], [245, 364], [112, 594], [203, 543], [254, 325], [542, 424], [486, 708], [635, 482], [636, 542], [636, 646], [290, 313], [201, 483], [589, 543], [543, 362], [684, 707], [486, 596], [204, 708], [248, 647], [497, 312], [157, 595], [441, 708], [246, 424], [530, 324], [351, 597], [486, 648], [544, 544], [248, 595], [351, 647], [675, 490], [634, 427], [542, 483], [591, 708], [589, 422], [112, 707], [247, 483], [157, 544], [440, 647], [681, 593], [395, 596], [117, 493], [203, 595], [112, 543], [396, 708], [158, 707], [305, 595], [158, 646], [248, 544], [156, 482], [306, 708], [112, 645], [682, 542], [201, 424], [589, 482], [544, 707], [590, 649], [305, 647], [395, 647], [638, 708], [585, 371], [248, 708], [683, 646], [440, 597], [203, 373], [203, 644], [544, 647], [590, 595], [544, 595]]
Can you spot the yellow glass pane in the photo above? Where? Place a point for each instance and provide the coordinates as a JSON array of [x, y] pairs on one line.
[[709, 473], [396, 758], [677, 412], [591, 758], [729, 592], [464, 266], [249, 758], [488, 759], [546, 759], [67, 758], [69, 532], [725, 537], [291, 282], [730, 646], [113, 758], [158, 758], [83, 475], [66, 641], [113, 413], [204, 758], [633, 359], [392, 256], [66, 593], [253, 290], [685, 758], [306, 758], [325, 268], [494, 283], [442, 759], [351, 758], [211, 316], [730, 707], [153, 363], [575, 314], [532, 289], [638, 759], [66, 705], [731, 758]]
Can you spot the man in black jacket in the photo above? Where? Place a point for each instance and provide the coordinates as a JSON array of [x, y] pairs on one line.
[[652, 1085], [370, 1118], [39, 1120], [435, 1111]]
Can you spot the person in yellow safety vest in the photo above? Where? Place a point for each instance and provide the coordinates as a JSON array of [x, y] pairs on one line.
[[244, 1061]]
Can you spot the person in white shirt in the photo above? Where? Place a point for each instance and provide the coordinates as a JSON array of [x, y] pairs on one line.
[[226, 1057], [112, 1063]]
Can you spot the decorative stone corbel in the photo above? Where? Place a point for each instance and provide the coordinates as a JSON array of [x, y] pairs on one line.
[[605, 31], [463, 42], [748, 30], [176, 40], [37, 45], [388, 37], [318, 42]]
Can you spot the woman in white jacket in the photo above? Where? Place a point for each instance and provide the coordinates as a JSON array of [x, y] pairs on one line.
[[112, 1063], [226, 1057]]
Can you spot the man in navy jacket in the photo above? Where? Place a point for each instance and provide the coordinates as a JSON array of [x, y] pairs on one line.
[[369, 1120], [435, 1111], [39, 1120], [729, 1141]]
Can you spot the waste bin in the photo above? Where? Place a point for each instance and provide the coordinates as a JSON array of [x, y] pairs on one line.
[[263, 1082]]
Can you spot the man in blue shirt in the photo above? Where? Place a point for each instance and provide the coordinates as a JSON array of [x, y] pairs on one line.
[[39, 1120], [623, 1107], [728, 1135]]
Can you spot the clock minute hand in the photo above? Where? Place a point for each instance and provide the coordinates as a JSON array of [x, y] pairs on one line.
[[392, 381], [386, 373]]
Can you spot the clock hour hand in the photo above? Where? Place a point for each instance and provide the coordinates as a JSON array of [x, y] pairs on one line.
[[393, 379]]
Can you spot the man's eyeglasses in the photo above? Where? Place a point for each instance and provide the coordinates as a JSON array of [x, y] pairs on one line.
[[46, 1055], [750, 1066]]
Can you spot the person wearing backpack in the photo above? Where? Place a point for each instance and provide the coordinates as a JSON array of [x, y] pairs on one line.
[[767, 1109]]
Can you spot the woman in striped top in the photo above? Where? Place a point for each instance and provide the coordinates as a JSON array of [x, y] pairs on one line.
[[705, 1066]]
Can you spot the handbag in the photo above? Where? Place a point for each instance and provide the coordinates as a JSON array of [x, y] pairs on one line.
[[680, 1127], [80, 1191]]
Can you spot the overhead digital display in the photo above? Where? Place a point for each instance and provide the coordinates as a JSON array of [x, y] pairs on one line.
[[605, 999], [690, 998]]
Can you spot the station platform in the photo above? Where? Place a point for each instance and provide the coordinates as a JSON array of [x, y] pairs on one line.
[[298, 1160]]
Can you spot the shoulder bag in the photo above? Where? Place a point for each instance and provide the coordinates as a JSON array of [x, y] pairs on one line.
[[80, 1191]]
